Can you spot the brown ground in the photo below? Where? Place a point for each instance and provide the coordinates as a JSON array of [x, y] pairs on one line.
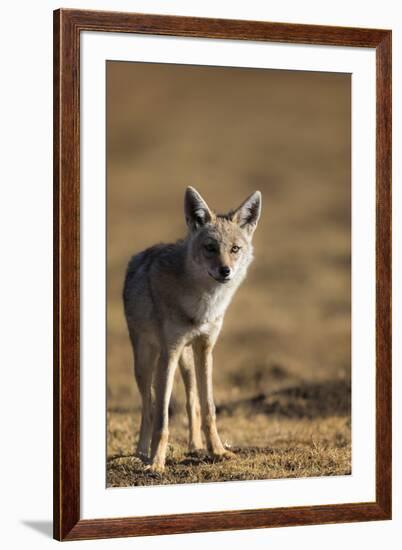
[[282, 363]]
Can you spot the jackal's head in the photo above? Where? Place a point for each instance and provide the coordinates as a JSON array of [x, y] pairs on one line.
[[220, 246]]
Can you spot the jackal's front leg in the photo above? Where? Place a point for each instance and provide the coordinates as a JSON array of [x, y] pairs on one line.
[[203, 361], [187, 369], [163, 390]]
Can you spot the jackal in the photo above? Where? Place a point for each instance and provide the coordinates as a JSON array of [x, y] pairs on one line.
[[175, 297]]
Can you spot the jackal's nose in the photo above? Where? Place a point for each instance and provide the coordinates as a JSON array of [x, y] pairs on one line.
[[224, 271]]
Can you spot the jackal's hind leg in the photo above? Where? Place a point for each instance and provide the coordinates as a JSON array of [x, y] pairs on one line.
[[187, 370]]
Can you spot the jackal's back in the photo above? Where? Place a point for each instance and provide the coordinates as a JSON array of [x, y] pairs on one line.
[[143, 277]]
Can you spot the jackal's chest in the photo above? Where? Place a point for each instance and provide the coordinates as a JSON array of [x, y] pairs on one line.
[[206, 309]]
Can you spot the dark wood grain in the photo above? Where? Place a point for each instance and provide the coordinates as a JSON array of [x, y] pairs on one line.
[[67, 27], [219, 521], [383, 276], [66, 277], [198, 27]]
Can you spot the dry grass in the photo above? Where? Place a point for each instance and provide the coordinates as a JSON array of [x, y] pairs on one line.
[[282, 363], [296, 449]]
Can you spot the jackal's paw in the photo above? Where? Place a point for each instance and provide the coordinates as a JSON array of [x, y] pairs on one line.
[[155, 468], [142, 456], [223, 455], [195, 449]]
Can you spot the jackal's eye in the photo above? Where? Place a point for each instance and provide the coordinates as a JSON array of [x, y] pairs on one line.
[[210, 247], [235, 249]]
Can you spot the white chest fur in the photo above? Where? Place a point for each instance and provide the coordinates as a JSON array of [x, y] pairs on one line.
[[207, 307]]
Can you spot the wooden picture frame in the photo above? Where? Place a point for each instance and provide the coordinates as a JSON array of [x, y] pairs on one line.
[[68, 24]]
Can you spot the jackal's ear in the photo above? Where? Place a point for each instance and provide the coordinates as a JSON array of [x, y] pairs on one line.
[[248, 213], [196, 209]]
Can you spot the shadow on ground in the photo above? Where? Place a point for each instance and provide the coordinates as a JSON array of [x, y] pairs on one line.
[[306, 400], [41, 526]]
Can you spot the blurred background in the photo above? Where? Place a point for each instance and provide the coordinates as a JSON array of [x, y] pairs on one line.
[[283, 360]]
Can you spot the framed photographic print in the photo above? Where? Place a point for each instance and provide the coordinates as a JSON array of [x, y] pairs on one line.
[[222, 274]]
